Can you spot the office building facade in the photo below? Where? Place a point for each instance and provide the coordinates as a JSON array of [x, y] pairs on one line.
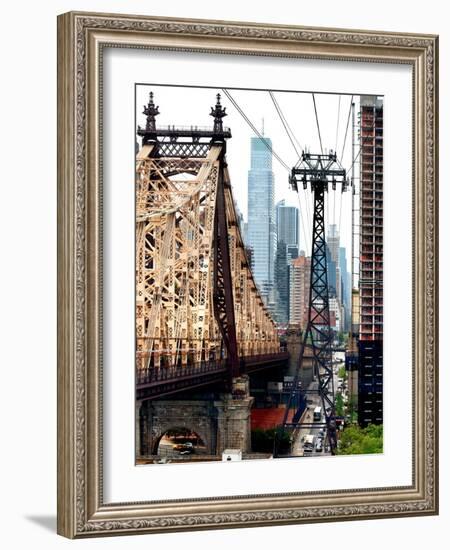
[[261, 226], [287, 223], [287, 249]]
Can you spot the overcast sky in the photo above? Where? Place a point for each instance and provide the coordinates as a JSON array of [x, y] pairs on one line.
[[181, 106]]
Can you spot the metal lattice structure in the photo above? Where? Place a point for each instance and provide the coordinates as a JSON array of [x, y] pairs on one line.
[[319, 171], [196, 299]]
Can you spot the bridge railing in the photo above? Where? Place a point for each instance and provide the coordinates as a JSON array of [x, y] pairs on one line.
[[162, 374], [265, 357]]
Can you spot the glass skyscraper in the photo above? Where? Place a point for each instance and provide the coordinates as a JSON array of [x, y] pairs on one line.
[[287, 223], [334, 271], [261, 229]]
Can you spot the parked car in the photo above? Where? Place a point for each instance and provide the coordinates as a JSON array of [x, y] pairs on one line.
[[187, 451], [308, 443], [184, 448]]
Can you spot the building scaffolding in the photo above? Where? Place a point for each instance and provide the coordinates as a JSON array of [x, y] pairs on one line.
[[370, 377]]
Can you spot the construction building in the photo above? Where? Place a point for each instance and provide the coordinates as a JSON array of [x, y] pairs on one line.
[[351, 356], [370, 345]]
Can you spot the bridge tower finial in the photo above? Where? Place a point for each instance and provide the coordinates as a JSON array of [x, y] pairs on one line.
[[218, 112], [151, 111]]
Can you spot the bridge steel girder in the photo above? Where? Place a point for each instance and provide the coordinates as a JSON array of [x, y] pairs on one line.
[[177, 201], [223, 292]]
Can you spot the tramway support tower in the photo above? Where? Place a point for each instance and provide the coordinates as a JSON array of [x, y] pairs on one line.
[[197, 305], [322, 173]]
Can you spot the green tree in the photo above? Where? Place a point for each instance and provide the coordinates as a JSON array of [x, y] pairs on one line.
[[352, 409], [355, 440], [339, 404], [342, 338], [342, 373], [263, 440]]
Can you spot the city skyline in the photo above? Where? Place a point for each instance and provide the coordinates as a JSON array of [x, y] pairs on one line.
[[271, 215], [236, 303], [272, 239], [190, 106]]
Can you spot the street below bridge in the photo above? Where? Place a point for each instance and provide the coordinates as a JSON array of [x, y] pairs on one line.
[[320, 444]]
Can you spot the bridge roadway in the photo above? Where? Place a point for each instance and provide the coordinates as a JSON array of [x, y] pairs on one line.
[[161, 382]]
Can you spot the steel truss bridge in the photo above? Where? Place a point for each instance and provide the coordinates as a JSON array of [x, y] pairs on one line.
[[199, 316]]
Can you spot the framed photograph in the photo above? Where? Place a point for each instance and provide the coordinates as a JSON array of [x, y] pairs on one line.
[[247, 283]]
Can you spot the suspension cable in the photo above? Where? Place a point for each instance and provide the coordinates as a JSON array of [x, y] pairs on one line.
[[346, 129], [340, 215], [342, 155], [284, 122], [363, 142], [270, 148], [317, 122], [334, 207], [307, 241], [327, 203], [337, 124], [292, 137], [252, 126], [308, 217]]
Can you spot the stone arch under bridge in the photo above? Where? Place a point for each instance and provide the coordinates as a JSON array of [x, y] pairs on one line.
[[158, 417], [221, 424], [181, 431]]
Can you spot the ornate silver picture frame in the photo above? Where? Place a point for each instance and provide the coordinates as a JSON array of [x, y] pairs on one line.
[[83, 510]]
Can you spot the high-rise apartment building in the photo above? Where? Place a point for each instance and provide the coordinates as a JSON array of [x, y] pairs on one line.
[[261, 228], [335, 313], [287, 249], [300, 274], [282, 284], [370, 375]]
